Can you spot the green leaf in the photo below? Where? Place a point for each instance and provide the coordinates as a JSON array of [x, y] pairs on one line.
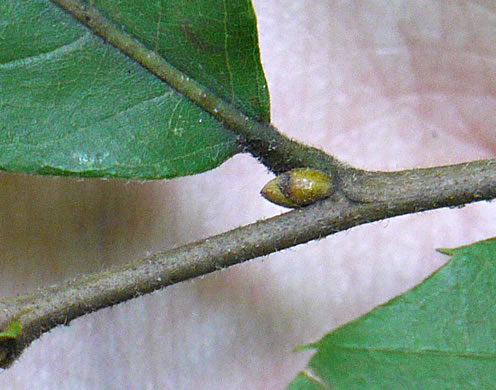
[[71, 104], [439, 335], [12, 331]]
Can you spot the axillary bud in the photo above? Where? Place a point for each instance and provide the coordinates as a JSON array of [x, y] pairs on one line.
[[299, 187]]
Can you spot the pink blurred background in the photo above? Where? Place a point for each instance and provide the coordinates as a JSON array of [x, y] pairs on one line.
[[380, 84]]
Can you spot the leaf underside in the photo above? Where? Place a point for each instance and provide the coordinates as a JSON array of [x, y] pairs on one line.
[[71, 104], [439, 335]]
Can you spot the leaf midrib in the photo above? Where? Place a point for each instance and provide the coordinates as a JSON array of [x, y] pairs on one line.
[[160, 67]]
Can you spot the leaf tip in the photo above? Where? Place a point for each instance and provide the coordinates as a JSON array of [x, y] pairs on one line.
[[11, 331], [306, 347], [446, 251]]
